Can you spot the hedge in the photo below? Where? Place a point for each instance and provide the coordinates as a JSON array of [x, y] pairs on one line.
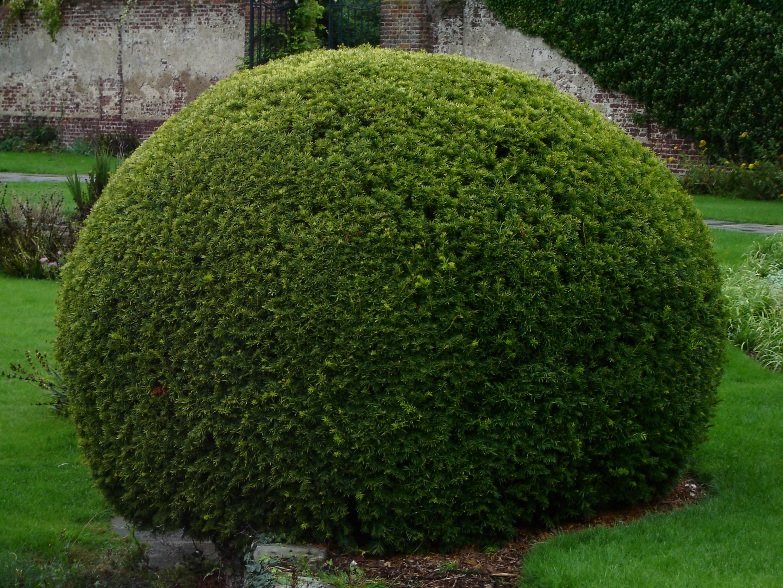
[[391, 300]]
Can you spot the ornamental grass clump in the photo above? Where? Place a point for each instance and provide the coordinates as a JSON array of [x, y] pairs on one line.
[[755, 303], [392, 300]]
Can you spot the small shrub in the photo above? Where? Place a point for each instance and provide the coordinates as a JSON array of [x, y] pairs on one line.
[[39, 371], [117, 144], [755, 295], [98, 178], [34, 135], [760, 180], [389, 299], [34, 237], [82, 147], [12, 143]]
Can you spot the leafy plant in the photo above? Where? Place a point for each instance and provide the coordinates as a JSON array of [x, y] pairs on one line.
[[43, 374], [34, 135], [389, 299], [118, 144], [298, 31], [755, 295], [354, 577], [97, 180], [12, 143], [48, 11], [305, 27], [256, 572], [82, 147], [710, 69], [34, 237], [760, 180]]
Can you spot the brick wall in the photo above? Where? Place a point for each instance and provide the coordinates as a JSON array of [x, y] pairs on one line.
[[629, 114], [406, 24], [117, 67]]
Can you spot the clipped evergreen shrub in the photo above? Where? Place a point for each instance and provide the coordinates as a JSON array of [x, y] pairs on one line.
[[389, 299]]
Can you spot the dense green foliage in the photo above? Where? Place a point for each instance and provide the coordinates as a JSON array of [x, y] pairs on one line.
[[759, 180], [48, 11], [388, 298], [755, 301], [712, 69]]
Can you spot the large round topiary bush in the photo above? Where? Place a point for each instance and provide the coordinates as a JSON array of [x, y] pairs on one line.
[[389, 299]]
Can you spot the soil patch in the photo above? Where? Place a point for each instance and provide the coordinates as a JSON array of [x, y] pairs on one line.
[[477, 568]]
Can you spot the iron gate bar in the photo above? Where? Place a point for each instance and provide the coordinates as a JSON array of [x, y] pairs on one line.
[[348, 23], [268, 29]]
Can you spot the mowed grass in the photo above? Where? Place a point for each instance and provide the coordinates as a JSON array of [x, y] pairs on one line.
[[47, 499], [737, 210], [734, 536], [59, 163], [730, 246], [33, 192]]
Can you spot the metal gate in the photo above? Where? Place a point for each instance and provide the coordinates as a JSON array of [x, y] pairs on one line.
[[347, 23], [353, 22], [268, 29]]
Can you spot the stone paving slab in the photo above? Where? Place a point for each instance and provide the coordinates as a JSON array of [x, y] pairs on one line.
[[166, 550], [313, 554], [744, 227], [14, 177]]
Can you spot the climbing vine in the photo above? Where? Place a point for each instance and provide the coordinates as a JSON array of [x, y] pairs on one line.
[[48, 11], [711, 69]]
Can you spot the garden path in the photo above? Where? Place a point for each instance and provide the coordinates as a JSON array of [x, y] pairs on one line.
[[15, 177], [744, 227]]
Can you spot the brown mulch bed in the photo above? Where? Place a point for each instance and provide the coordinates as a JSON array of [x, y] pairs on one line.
[[474, 568]]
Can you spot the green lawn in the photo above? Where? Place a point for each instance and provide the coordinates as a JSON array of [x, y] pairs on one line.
[[47, 500], [730, 246], [744, 211], [33, 191], [60, 163], [732, 538]]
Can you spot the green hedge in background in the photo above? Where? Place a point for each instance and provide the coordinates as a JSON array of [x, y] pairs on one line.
[[710, 68], [388, 299]]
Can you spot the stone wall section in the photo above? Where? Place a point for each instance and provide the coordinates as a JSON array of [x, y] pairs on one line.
[[472, 30], [117, 67]]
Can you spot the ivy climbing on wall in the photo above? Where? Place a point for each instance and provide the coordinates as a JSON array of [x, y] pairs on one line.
[[711, 69], [48, 11]]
